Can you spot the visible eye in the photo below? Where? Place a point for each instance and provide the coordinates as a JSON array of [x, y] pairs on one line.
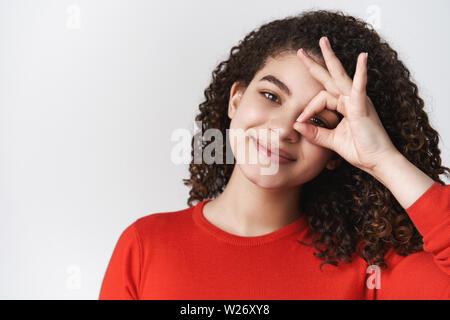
[[270, 94], [320, 122]]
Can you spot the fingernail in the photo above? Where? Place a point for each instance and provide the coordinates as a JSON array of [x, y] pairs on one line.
[[301, 52], [327, 42], [300, 126], [300, 118]]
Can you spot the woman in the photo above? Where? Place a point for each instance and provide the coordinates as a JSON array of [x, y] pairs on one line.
[[355, 208]]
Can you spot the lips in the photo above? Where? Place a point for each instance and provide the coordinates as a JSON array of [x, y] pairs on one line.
[[281, 153]]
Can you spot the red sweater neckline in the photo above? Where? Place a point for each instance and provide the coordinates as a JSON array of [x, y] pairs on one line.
[[296, 226]]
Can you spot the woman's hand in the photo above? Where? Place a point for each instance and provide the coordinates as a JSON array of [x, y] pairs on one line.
[[360, 137]]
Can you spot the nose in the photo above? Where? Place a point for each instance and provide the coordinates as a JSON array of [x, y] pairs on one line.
[[285, 128]]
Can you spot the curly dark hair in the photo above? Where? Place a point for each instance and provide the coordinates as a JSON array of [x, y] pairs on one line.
[[347, 209]]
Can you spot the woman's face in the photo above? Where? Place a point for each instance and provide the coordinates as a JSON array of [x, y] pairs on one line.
[[263, 109]]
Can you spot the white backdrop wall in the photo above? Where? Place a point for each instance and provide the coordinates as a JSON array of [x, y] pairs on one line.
[[90, 92]]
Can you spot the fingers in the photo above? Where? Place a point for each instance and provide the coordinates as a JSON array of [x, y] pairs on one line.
[[323, 100], [318, 72], [337, 82], [316, 135], [335, 79], [337, 71], [360, 80]]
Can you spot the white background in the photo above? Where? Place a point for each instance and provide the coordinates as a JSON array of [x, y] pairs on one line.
[[90, 92]]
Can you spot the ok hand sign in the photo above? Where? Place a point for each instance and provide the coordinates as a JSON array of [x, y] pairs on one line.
[[360, 137]]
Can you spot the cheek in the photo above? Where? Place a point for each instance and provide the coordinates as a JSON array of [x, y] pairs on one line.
[[312, 160], [250, 113], [313, 156], [314, 151]]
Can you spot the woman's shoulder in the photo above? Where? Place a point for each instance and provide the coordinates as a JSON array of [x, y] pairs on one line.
[[162, 224], [164, 216]]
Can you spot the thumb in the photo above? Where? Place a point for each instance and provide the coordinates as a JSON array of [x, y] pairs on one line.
[[314, 134]]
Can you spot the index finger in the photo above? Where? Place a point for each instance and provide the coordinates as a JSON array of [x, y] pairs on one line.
[[318, 72], [335, 66]]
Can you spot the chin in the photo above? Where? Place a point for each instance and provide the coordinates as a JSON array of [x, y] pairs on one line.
[[274, 181]]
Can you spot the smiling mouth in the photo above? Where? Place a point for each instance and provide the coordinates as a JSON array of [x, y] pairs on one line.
[[268, 152]]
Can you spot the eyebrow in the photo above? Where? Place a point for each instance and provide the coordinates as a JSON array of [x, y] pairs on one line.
[[285, 89], [278, 83]]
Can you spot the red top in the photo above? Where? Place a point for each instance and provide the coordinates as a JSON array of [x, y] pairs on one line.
[[181, 255]]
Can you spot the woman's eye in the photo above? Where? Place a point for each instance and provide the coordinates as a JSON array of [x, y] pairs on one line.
[[318, 121], [265, 93]]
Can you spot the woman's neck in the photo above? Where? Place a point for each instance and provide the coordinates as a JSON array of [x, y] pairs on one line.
[[246, 209]]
